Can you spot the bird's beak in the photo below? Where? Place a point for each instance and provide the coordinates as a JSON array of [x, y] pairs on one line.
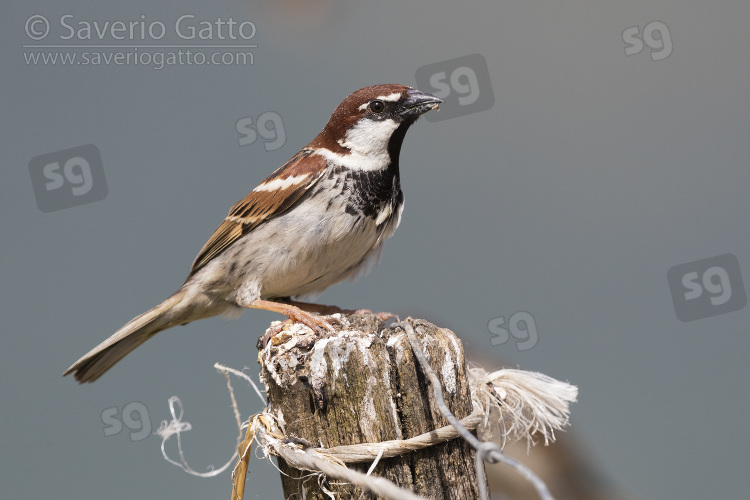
[[418, 103]]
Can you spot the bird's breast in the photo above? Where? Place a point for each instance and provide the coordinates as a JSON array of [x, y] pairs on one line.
[[333, 233]]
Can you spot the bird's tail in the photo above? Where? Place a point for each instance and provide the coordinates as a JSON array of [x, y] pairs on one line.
[[138, 330]]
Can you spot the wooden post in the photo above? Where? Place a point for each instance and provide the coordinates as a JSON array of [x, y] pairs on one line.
[[362, 384]]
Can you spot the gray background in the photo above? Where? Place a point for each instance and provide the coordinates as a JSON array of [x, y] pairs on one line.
[[592, 175]]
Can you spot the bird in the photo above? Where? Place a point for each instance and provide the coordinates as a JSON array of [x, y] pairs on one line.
[[320, 219]]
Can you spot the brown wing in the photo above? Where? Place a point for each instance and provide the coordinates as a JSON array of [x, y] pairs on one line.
[[272, 197]]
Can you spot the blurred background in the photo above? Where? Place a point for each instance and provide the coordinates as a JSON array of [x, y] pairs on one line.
[[578, 207]]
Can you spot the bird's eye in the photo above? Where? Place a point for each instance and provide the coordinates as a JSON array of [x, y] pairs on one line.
[[377, 106]]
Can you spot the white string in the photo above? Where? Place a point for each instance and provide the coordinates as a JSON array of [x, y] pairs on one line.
[[240, 374], [177, 427], [486, 451], [311, 460], [375, 463]]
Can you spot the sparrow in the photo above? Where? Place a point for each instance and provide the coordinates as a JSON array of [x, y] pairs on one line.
[[321, 218]]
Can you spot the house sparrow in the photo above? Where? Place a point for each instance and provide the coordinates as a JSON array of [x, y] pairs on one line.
[[321, 218]]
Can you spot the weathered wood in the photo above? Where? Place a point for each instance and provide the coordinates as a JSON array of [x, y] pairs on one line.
[[362, 384]]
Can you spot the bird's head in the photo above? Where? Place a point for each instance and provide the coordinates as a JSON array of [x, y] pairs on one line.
[[367, 129]]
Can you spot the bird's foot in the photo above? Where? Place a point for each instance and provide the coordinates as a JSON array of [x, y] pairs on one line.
[[329, 310], [322, 309], [296, 315], [316, 316]]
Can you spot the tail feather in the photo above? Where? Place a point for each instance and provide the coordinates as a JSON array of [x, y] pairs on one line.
[[138, 330]]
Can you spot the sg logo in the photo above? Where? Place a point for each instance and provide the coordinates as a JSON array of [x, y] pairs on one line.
[[660, 46], [521, 326], [707, 287], [67, 178], [269, 126], [134, 416], [463, 83]]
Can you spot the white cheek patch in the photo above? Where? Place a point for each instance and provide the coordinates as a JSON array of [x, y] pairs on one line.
[[281, 183], [370, 137], [368, 143]]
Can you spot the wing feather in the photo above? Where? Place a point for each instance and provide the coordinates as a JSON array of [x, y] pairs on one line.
[[272, 197]]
